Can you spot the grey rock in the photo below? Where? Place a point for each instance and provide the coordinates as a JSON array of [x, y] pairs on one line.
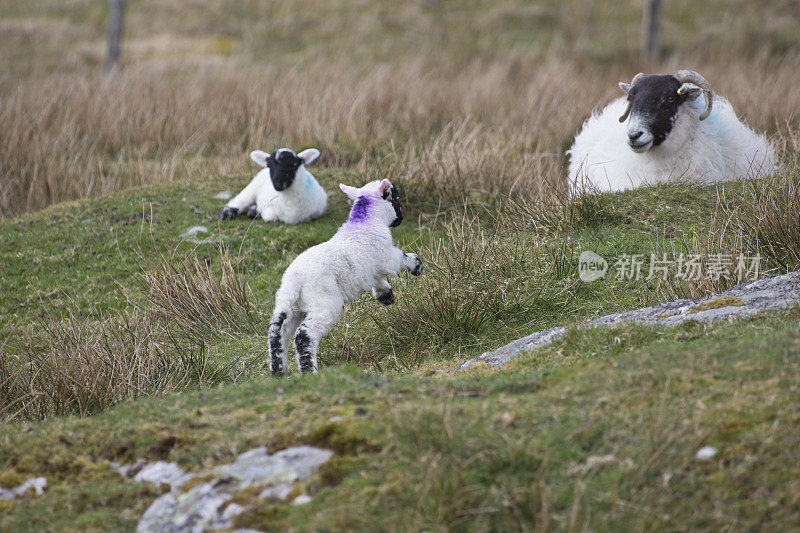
[[280, 491], [38, 484], [192, 233], [163, 472], [125, 470], [776, 292], [302, 499], [206, 506], [286, 466], [224, 195]]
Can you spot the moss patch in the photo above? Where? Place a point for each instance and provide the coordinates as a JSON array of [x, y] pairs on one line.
[[718, 303]]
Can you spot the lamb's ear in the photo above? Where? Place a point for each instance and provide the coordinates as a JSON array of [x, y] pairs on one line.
[[259, 157], [625, 87], [308, 155], [351, 192], [384, 186]]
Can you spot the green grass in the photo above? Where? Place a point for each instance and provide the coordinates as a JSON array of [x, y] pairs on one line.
[[489, 450], [599, 429]]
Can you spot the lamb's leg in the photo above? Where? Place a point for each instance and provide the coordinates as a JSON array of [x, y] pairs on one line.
[[382, 292], [280, 326], [268, 215], [306, 341], [243, 201]]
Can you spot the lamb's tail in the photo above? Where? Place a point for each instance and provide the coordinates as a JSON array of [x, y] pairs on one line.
[[288, 293], [285, 298]]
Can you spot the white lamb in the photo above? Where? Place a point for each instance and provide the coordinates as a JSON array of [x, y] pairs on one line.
[[284, 191], [664, 131], [321, 280]]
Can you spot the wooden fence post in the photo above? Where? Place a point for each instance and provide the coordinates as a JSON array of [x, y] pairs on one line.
[[651, 29], [117, 8]]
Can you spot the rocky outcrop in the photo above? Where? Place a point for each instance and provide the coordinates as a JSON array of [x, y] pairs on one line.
[[203, 501], [776, 292]]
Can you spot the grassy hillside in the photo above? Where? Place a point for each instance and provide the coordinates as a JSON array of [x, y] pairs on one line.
[[118, 331], [599, 430]]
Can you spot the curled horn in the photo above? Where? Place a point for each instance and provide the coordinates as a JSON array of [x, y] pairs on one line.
[[628, 109], [690, 76]]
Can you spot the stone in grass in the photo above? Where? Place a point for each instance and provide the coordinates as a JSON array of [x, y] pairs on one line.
[[705, 453], [192, 233], [163, 472], [38, 484], [207, 506]]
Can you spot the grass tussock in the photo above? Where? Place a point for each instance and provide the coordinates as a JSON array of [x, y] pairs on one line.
[[82, 364], [201, 295], [765, 212], [478, 282]]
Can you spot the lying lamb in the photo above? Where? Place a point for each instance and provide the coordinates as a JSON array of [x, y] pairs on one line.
[[283, 191], [321, 280], [665, 133]]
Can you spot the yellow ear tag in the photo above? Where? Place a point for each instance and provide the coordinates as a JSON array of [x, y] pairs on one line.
[[681, 90]]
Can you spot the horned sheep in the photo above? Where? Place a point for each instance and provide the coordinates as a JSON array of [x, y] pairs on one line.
[[668, 128]]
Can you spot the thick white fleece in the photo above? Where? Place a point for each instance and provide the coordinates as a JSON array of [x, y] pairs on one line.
[[303, 200], [720, 148]]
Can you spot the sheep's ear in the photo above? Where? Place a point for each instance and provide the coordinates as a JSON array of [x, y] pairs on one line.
[[689, 91], [351, 192], [309, 155], [384, 186], [259, 157], [625, 87]]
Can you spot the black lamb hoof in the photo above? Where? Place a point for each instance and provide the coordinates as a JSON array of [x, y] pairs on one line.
[[277, 368], [386, 297], [253, 212], [229, 213]]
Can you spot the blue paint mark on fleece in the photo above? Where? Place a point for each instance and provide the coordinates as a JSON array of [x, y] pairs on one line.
[[360, 211], [718, 129]]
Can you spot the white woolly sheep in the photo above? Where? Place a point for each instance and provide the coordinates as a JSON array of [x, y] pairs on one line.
[[320, 281], [284, 191], [661, 132]]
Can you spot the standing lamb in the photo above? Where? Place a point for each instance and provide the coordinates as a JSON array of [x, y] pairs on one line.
[[666, 132], [283, 191], [321, 280]]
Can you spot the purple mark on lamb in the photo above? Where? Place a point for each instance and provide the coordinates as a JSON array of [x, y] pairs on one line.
[[360, 212]]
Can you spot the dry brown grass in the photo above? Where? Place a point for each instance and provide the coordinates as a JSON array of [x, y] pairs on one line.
[[766, 213], [82, 364], [201, 295], [490, 128], [483, 96]]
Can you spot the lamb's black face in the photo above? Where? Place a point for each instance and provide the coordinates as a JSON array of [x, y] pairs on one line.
[[654, 102], [394, 198], [283, 165]]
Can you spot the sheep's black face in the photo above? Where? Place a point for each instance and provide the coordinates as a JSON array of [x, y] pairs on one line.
[[654, 102], [283, 165], [394, 198]]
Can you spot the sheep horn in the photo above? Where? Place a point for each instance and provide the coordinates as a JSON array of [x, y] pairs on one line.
[[628, 109], [690, 76]]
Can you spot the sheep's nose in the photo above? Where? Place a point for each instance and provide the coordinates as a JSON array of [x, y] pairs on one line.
[[633, 135]]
